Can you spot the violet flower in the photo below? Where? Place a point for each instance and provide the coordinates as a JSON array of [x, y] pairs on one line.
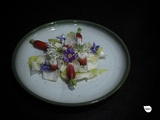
[[94, 48], [69, 55], [45, 66], [61, 38]]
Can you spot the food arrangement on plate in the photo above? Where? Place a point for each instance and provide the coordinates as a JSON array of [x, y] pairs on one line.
[[67, 56], [62, 64]]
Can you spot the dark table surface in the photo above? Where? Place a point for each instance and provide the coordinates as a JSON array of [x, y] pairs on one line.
[[135, 23]]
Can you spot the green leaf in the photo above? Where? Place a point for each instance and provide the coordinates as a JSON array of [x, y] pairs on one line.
[[102, 71], [73, 82], [53, 40], [99, 51], [31, 59], [71, 36]]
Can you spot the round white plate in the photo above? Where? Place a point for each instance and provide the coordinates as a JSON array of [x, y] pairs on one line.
[[117, 63]]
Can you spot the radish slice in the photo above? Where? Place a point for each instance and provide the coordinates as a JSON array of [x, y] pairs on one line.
[[50, 75]]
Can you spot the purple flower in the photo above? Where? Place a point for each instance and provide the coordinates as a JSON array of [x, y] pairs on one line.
[[69, 55], [61, 38], [45, 66], [94, 48]]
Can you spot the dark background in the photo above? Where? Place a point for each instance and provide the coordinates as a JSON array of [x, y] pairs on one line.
[[134, 22]]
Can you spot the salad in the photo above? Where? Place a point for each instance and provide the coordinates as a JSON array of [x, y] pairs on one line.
[[67, 56]]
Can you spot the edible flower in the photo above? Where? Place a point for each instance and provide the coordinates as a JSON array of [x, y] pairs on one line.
[[45, 66], [61, 38], [69, 55], [94, 48]]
